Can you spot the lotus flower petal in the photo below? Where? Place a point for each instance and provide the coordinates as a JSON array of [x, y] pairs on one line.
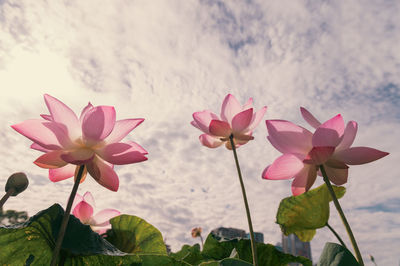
[[337, 176], [86, 109], [193, 123], [348, 136], [289, 137], [98, 123], [209, 141], [275, 144], [284, 167], [103, 217], [103, 174], [78, 198], [330, 133], [203, 120], [257, 117], [336, 164], [359, 155], [37, 147], [79, 156], [230, 107], [61, 113], [101, 230], [242, 120], [319, 155], [310, 119], [237, 142], [45, 134], [121, 153], [137, 147], [47, 117], [51, 160], [304, 180], [88, 197], [62, 173], [122, 128], [220, 128], [243, 138], [83, 211], [248, 104]]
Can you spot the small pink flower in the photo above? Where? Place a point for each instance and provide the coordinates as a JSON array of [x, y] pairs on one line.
[[196, 232], [304, 151], [235, 119], [83, 210], [92, 140]]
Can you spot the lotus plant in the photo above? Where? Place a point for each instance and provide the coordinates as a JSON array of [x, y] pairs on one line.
[[73, 146], [326, 152], [196, 232], [234, 127], [83, 210]]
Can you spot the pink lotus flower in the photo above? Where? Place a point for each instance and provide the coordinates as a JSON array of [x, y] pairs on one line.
[[304, 151], [92, 140], [83, 210], [235, 119]]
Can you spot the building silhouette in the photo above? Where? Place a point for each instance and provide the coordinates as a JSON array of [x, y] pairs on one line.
[[291, 244], [258, 237], [232, 233]]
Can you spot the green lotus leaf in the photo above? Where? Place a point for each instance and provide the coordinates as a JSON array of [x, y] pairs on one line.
[[155, 259], [190, 254], [32, 243], [132, 234], [305, 235], [305, 213], [336, 255], [267, 254], [226, 262]]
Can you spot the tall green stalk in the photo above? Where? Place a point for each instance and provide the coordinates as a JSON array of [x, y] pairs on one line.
[[67, 213], [336, 234], [6, 196], [202, 243], [253, 242], [341, 213]]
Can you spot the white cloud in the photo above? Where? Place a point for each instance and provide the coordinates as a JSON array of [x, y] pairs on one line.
[[165, 60]]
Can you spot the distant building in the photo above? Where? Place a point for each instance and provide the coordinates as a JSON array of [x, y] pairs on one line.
[[258, 237], [231, 233], [293, 245]]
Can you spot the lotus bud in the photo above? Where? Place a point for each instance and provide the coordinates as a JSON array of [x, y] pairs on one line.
[[17, 181]]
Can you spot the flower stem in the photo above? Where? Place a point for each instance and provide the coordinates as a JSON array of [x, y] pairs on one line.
[[65, 219], [253, 243], [341, 213], [6, 196], [202, 244], [336, 234]]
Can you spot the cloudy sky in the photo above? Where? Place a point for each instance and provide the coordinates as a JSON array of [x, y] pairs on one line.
[[164, 60]]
